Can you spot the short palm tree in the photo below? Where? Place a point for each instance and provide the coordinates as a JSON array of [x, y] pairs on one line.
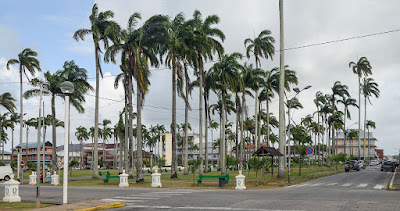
[[82, 135], [106, 134], [361, 68], [27, 61], [369, 89], [100, 23], [370, 124], [261, 47]]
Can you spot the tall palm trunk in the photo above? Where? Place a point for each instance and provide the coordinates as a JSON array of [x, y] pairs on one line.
[[12, 144], [369, 145], [81, 154], [281, 170], [206, 134], [96, 116], [201, 112], [130, 122], [223, 155], [139, 152], [359, 117], [126, 138], [267, 107], [365, 124], [173, 127], [242, 131], [319, 138], [120, 152], [115, 152], [256, 140], [20, 116], [185, 157], [54, 134], [344, 128], [237, 126], [26, 151]]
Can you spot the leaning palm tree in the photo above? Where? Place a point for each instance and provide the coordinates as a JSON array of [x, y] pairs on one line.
[[27, 61], [369, 124], [7, 101], [205, 44], [361, 68], [225, 75], [100, 23], [346, 103], [369, 89], [261, 47], [82, 135]]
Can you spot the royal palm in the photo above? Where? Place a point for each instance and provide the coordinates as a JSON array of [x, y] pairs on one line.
[[369, 89]]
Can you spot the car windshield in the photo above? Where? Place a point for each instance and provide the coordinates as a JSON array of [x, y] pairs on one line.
[[387, 163], [350, 162]]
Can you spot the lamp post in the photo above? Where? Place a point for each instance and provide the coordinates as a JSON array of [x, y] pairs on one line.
[[297, 90], [67, 88], [18, 161]]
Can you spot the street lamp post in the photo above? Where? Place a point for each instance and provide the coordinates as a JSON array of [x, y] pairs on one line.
[[67, 88], [297, 90], [18, 161]]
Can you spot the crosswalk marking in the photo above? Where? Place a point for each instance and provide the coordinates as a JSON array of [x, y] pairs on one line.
[[331, 184], [378, 187], [145, 197], [123, 200], [346, 184], [316, 184], [362, 185], [134, 197]]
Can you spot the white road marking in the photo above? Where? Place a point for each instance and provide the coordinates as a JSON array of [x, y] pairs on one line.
[[331, 184], [346, 184], [378, 187], [316, 184], [195, 208], [362, 185], [123, 200], [134, 197]]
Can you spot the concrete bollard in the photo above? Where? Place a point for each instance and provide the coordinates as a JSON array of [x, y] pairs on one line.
[[123, 180], [32, 178], [240, 181], [55, 179], [12, 191], [156, 180]]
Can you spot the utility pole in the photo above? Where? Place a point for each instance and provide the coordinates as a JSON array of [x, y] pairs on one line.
[[281, 170]]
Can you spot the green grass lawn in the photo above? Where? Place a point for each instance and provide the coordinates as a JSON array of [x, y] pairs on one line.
[[77, 173], [20, 206], [186, 181]]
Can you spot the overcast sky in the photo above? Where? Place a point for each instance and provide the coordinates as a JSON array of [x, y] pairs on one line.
[[47, 27]]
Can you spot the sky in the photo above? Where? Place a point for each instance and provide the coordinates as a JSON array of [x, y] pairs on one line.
[[47, 28]]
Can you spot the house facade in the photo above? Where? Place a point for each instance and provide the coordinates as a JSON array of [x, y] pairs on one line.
[[29, 152], [351, 146]]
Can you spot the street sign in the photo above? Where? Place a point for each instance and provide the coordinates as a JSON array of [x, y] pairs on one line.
[[309, 150], [59, 163], [22, 164]]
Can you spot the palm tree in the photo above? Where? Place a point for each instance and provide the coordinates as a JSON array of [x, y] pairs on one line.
[[213, 126], [6, 100], [260, 47], [106, 134], [346, 103], [370, 124], [70, 72], [100, 23], [27, 62], [353, 134], [361, 68], [82, 135], [4, 124], [319, 101], [369, 89], [205, 45], [225, 74], [340, 90]]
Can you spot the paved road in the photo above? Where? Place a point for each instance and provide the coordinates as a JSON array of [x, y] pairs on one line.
[[346, 191]]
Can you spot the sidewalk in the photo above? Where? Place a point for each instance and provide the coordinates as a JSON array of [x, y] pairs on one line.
[[395, 183], [85, 206]]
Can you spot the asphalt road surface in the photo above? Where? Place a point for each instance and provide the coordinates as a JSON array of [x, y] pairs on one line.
[[363, 190]]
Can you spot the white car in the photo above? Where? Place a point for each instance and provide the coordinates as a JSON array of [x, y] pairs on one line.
[[373, 162], [6, 173]]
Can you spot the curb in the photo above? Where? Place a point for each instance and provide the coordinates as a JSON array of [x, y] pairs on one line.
[[116, 205], [391, 182]]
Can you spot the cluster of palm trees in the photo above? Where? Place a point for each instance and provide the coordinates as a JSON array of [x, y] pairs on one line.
[[183, 44]]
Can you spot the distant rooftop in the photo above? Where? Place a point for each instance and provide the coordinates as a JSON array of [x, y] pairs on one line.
[[361, 134], [34, 144]]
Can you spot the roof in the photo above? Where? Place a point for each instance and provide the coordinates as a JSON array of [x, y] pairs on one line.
[[341, 135], [267, 151], [33, 144], [71, 148]]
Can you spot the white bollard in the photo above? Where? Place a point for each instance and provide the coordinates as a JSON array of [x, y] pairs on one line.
[[123, 180], [12, 191], [55, 179], [156, 180], [32, 178], [240, 181]]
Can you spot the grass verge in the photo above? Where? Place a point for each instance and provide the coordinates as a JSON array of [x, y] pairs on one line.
[[20, 206]]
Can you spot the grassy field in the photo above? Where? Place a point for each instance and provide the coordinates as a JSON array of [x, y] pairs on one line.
[[77, 173], [186, 181], [20, 206]]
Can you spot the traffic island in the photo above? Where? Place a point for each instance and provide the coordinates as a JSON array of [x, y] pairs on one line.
[[395, 182], [86, 206]]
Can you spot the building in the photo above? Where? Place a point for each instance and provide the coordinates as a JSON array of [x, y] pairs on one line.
[[380, 153], [6, 157], [103, 149], [29, 152], [351, 147], [74, 152]]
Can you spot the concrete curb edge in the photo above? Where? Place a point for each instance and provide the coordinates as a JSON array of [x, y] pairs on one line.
[[115, 205], [391, 182]]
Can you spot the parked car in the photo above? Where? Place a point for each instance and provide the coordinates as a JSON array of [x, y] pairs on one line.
[[6, 173], [388, 166], [361, 164], [373, 162], [351, 165]]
